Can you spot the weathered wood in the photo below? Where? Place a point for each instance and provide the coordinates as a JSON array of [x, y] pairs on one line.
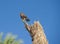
[[37, 33]]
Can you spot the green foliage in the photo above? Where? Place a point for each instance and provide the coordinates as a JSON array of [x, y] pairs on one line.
[[9, 39]]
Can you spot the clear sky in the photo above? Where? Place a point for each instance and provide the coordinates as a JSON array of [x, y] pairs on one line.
[[46, 11]]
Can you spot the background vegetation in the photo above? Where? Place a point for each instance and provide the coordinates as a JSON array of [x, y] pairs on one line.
[[9, 39]]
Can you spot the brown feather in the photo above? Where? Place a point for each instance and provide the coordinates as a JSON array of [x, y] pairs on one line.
[[23, 17]]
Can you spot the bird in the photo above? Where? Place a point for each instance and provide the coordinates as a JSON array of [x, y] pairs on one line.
[[24, 18]]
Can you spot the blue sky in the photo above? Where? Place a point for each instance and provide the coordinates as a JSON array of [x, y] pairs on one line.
[[46, 11]]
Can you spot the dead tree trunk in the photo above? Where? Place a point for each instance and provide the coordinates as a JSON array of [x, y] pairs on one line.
[[37, 33]]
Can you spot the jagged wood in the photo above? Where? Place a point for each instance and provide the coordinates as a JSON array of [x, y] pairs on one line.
[[37, 33]]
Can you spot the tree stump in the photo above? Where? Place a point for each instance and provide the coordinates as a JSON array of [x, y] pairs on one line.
[[37, 33]]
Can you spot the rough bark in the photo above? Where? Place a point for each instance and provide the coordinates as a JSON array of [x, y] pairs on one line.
[[37, 33]]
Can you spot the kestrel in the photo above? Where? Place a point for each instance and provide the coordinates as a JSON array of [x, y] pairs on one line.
[[23, 17]]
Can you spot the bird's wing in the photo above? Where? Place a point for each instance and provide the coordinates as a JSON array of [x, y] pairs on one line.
[[27, 19]]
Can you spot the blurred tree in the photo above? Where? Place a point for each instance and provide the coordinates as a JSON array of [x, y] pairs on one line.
[[9, 39]]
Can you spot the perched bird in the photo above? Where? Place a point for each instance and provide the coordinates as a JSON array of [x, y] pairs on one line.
[[24, 18]]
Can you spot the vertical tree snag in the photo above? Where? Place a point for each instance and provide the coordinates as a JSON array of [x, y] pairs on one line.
[[36, 31]]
